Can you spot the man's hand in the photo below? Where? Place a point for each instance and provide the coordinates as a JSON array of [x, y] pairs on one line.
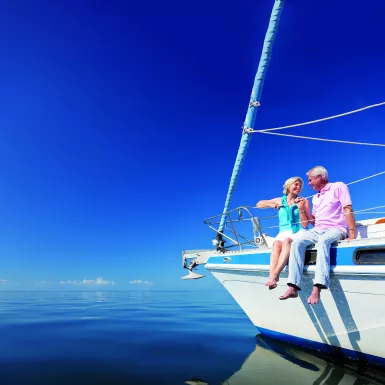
[[351, 235]]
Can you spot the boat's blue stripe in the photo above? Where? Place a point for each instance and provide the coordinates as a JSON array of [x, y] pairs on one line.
[[343, 258], [244, 259], [334, 350]]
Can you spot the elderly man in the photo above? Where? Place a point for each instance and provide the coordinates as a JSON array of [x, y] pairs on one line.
[[333, 220]]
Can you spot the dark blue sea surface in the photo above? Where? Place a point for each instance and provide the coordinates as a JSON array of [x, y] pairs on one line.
[[149, 337]]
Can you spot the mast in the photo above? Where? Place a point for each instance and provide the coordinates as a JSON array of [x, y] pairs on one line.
[[253, 106]]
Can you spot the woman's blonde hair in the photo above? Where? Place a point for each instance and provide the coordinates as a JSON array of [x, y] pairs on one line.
[[289, 182]]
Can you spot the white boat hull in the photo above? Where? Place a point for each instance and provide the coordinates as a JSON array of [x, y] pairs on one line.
[[349, 320]]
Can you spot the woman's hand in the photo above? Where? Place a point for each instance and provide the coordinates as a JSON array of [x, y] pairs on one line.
[[300, 201]]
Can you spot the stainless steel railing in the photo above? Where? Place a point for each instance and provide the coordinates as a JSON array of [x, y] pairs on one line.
[[234, 217]]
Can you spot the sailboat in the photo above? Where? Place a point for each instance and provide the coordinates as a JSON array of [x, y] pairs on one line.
[[349, 321]]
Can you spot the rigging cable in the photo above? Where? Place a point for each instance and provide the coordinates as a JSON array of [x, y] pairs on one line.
[[268, 131], [323, 119]]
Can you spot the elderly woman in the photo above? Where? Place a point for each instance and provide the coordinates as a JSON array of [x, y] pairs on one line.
[[289, 225]]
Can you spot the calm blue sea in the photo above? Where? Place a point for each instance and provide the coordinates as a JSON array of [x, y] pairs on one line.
[[149, 337]]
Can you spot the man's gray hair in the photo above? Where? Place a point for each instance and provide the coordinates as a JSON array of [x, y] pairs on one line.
[[319, 170]]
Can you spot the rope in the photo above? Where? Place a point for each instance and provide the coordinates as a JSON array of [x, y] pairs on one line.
[[323, 119], [368, 177], [356, 181], [320, 139], [310, 196], [372, 208], [338, 215]]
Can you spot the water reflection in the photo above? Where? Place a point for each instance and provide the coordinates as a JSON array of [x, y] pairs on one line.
[[275, 362]]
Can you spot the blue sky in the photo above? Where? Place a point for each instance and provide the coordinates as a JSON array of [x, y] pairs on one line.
[[120, 122]]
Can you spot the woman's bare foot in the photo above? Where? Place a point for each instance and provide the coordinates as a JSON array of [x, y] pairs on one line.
[[290, 293], [315, 296], [272, 281]]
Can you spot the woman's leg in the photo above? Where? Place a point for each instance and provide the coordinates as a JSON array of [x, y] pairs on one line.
[[274, 256], [283, 258], [281, 263]]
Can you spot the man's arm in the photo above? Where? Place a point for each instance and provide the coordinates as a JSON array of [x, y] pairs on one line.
[[302, 214], [348, 211], [304, 211], [310, 216], [346, 203]]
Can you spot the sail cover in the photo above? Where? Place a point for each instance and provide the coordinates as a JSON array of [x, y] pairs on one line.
[[254, 103]]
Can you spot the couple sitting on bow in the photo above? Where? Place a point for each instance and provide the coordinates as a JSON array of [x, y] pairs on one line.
[[333, 220]]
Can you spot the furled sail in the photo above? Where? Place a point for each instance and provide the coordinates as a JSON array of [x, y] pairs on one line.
[[254, 104]]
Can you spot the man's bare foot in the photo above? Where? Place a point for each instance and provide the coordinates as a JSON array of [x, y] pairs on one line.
[[315, 296], [272, 281], [290, 293]]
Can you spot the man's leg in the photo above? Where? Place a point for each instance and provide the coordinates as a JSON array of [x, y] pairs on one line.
[[322, 271], [296, 261]]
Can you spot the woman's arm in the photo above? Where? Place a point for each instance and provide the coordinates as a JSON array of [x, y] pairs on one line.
[[272, 203]]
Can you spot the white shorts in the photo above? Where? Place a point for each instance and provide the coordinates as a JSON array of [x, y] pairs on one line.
[[287, 234]]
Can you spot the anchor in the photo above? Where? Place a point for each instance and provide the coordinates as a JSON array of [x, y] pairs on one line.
[[191, 274]]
